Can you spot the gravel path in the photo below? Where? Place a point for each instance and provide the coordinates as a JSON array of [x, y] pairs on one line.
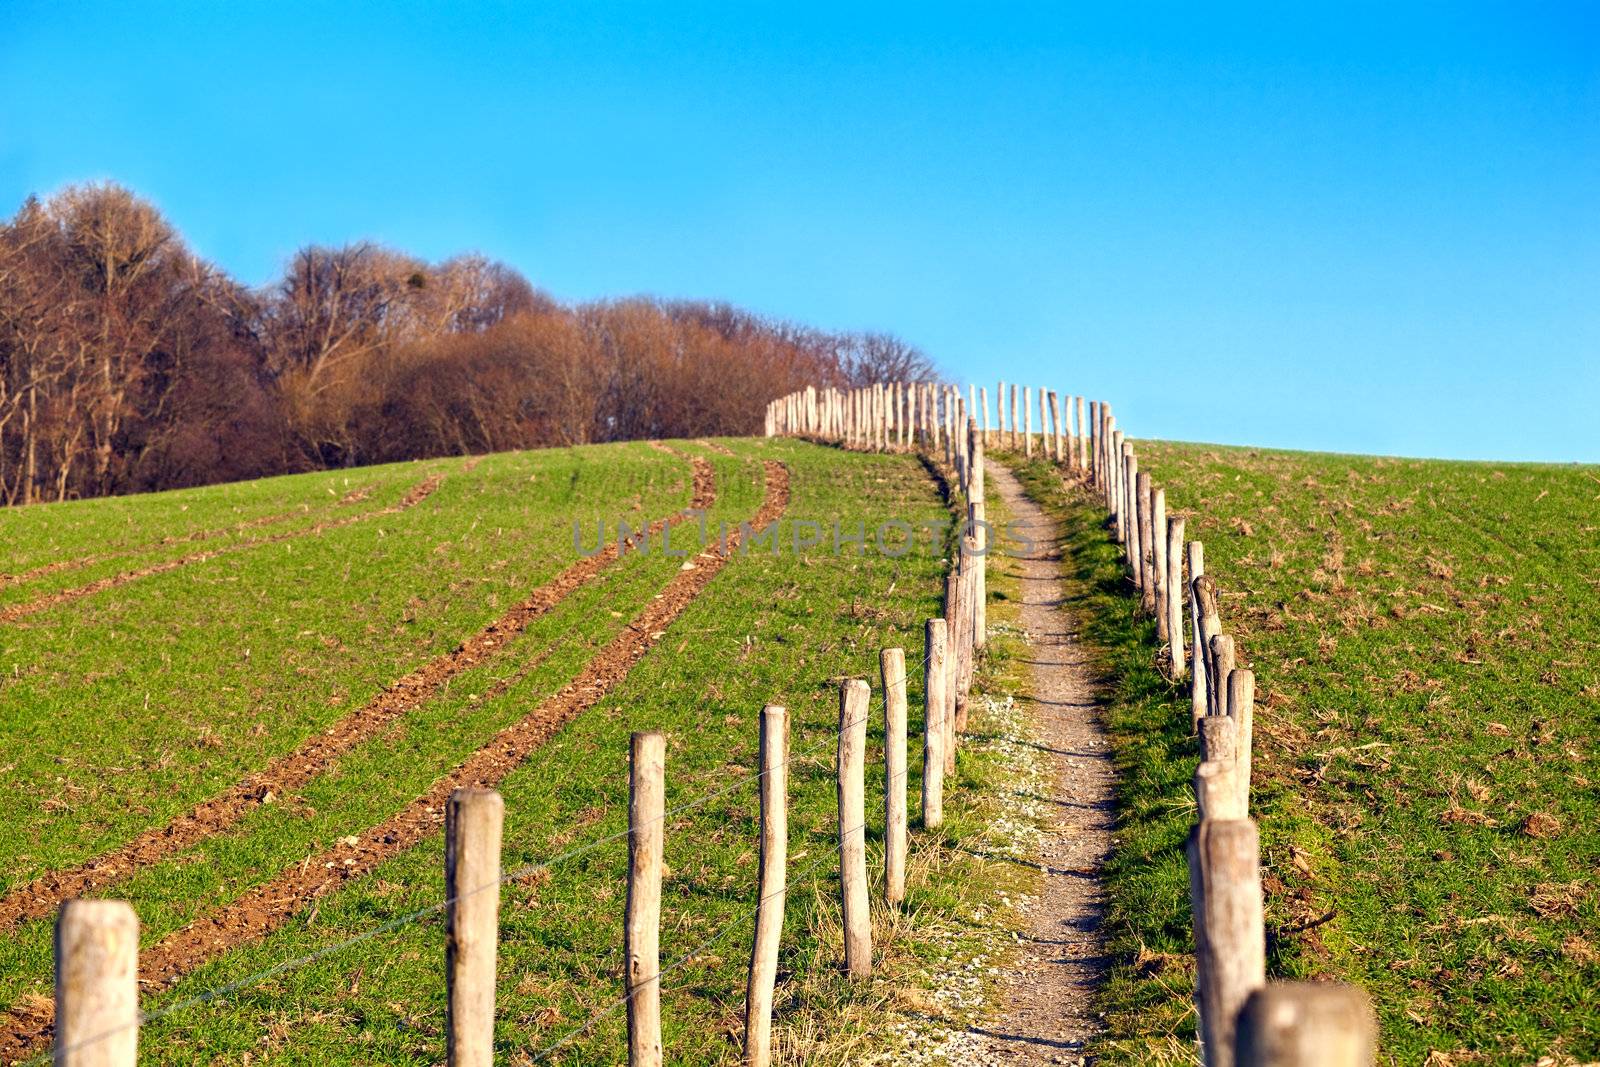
[[1046, 1007]]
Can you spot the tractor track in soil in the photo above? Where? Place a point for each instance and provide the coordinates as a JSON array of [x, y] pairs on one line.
[[41, 896], [354, 497], [416, 495], [267, 907]]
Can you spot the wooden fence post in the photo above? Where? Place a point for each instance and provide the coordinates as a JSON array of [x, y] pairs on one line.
[[1157, 552], [1130, 507], [952, 665], [1083, 439], [646, 847], [473, 819], [1137, 520], [97, 984], [854, 699], [1219, 738], [1306, 1024], [976, 517], [773, 885], [1204, 591], [1230, 937], [1222, 652], [1197, 656], [1148, 527], [1054, 450], [892, 667], [933, 691], [1175, 589], [1242, 710], [1027, 421], [1216, 791], [1016, 440], [983, 406], [967, 643]]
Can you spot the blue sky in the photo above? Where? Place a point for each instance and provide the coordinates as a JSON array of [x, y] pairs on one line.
[[1368, 228]]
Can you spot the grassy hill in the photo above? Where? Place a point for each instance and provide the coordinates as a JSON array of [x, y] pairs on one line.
[[1427, 732], [236, 707]]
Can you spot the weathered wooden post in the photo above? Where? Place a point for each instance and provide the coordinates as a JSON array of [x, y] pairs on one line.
[[97, 984], [1084, 430], [976, 520], [1230, 935], [1136, 517], [1000, 414], [773, 886], [1216, 791], [1222, 653], [966, 644], [473, 819], [892, 666], [1306, 1024], [1055, 427], [1175, 589], [854, 699], [1218, 737], [1204, 591], [1027, 421], [933, 713], [1242, 711], [1125, 518], [1158, 559], [1016, 441], [1197, 640], [1147, 538], [983, 406], [646, 847], [952, 665]]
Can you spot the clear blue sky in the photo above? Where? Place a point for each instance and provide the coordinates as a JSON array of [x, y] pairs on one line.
[[1369, 228]]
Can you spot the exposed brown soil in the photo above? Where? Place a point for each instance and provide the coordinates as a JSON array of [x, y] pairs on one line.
[[269, 906], [1047, 1008], [721, 450], [292, 770], [418, 493], [199, 535]]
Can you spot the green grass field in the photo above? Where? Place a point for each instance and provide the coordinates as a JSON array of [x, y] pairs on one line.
[[1427, 726], [1427, 717], [127, 707]]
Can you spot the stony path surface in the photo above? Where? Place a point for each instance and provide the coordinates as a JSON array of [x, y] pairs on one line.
[[1047, 1008]]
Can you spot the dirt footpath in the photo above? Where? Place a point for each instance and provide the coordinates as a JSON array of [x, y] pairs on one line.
[[1046, 1008]]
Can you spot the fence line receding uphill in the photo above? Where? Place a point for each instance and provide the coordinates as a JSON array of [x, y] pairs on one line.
[[1281, 1024], [1244, 1020]]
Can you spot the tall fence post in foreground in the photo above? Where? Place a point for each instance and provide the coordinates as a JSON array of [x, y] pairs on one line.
[[646, 845], [97, 984], [473, 819], [952, 666], [854, 699], [1306, 1024], [1230, 938], [892, 666], [773, 885], [933, 742]]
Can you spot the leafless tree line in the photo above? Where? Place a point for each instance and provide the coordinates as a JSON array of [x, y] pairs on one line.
[[127, 363]]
